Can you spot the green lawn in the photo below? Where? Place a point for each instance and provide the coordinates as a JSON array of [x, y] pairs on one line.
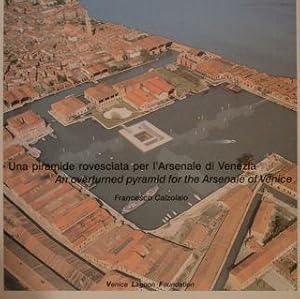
[[183, 80]]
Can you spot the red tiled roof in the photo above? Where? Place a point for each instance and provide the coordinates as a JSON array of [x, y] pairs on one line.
[[100, 91], [205, 276], [24, 120], [67, 106], [13, 151], [256, 264], [161, 84], [19, 93], [151, 42], [263, 218], [138, 97], [97, 69]]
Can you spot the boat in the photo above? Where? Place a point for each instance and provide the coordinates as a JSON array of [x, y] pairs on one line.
[[164, 221], [35, 152], [174, 213], [233, 87], [53, 135], [133, 205], [227, 141], [87, 185], [190, 204], [197, 196], [169, 216]]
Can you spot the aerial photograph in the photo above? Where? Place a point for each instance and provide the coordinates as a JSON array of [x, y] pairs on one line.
[[150, 145]]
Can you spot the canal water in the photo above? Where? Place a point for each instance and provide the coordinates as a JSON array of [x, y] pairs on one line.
[[199, 125]]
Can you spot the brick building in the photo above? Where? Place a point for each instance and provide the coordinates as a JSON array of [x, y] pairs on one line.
[[27, 126], [101, 95], [68, 108]]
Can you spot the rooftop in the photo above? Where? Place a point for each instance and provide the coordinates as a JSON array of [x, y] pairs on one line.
[[20, 93], [7, 136], [290, 171], [81, 220], [214, 67], [208, 271], [138, 97], [258, 262], [157, 85], [97, 69], [151, 42], [100, 91], [67, 106], [24, 120], [13, 151], [137, 80], [263, 219]]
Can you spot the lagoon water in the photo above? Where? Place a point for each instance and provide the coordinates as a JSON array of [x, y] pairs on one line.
[[257, 33]]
